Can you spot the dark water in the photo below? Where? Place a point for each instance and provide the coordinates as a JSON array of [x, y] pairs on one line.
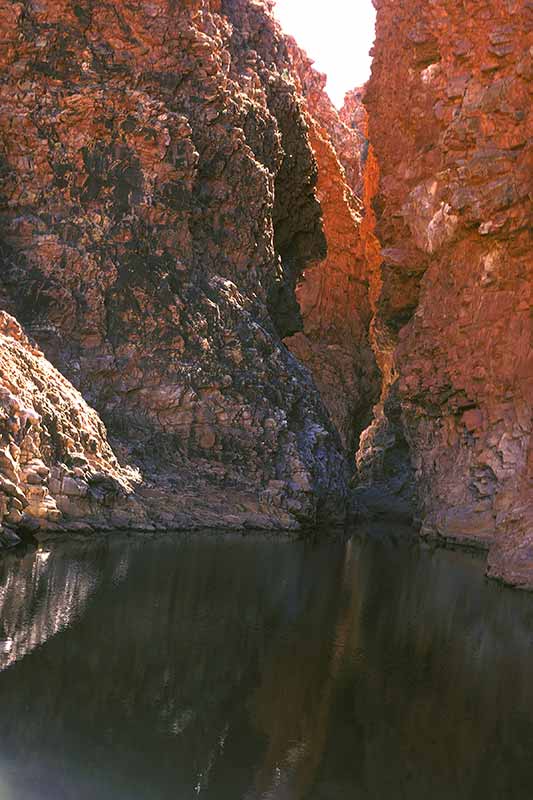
[[247, 668]]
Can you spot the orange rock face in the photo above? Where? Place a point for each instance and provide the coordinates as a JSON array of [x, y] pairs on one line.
[[333, 294], [158, 206], [179, 198], [451, 122]]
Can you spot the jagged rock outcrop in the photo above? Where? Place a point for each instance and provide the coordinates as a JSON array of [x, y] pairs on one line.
[[158, 206], [55, 460], [334, 294], [451, 122]]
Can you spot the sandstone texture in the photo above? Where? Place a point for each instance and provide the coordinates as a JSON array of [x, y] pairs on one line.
[[451, 123], [333, 294], [158, 207]]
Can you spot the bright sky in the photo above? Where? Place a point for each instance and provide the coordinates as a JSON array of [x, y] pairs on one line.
[[337, 35]]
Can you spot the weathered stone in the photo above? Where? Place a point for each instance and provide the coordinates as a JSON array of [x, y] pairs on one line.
[[452, 192], [14, 517], [73, 488], [162, 237], [334, 294], [159, 207], [11, 489]]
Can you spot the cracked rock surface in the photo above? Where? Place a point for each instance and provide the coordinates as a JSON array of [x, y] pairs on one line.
[[158, 206], [451, 122], [333, 294]]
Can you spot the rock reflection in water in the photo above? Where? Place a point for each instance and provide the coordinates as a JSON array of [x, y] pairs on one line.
[[38, 599], [259, 669], [436, 698]]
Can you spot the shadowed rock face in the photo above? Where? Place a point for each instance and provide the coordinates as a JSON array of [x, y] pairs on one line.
[[158, 207], [450, 105], [334, 293]]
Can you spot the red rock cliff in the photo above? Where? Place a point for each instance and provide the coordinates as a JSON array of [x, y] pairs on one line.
[[333, 294], [451, 122], [161, 236], [158, 206]]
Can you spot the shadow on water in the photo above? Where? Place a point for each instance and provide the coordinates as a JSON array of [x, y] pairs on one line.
[[251, 668]]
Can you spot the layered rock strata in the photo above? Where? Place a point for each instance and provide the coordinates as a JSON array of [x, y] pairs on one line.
[[158, 207], [451, 122]]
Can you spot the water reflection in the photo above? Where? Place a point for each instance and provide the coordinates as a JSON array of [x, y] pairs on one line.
[[38, 599], [230, 668]]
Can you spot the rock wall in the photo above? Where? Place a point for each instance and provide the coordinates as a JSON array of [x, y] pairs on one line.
[[55, 460], [451, 122], [179, 198], [333, 294], [157, 209]]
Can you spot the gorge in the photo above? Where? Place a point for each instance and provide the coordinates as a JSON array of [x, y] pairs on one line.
[[224, 303], [266, 384]]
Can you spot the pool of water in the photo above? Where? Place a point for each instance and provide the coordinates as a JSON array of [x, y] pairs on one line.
[[235, 668]]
